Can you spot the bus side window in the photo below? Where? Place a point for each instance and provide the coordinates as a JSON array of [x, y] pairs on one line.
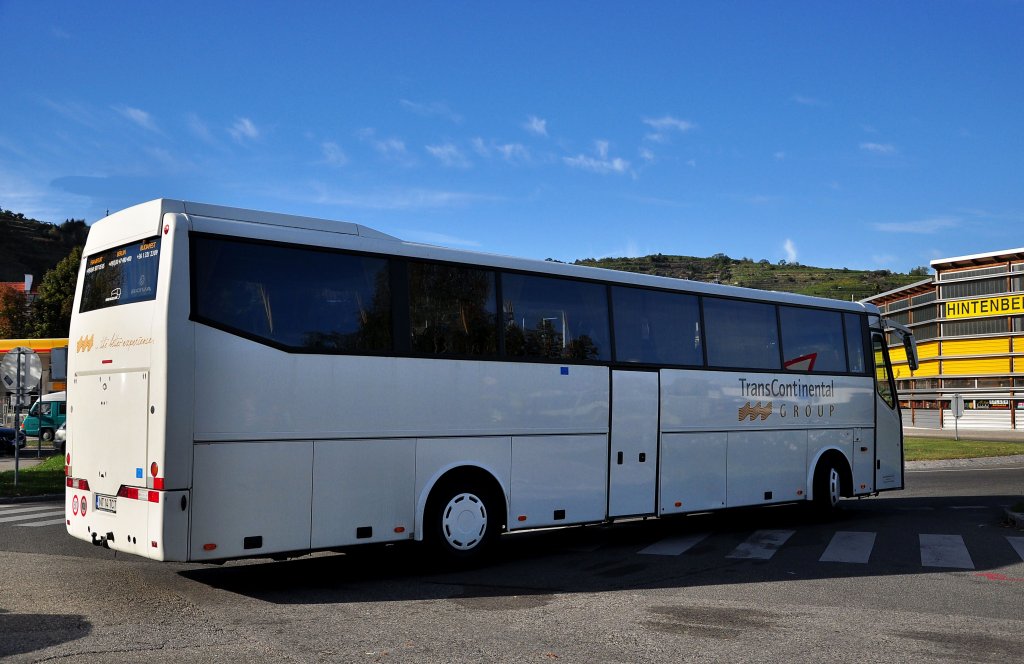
[[854, 342], [556, 319], [452, 310], [812, 340], [656, 327], [741, 334]]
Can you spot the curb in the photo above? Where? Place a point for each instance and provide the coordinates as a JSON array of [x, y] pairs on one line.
[[1015, 519], [46, 497]]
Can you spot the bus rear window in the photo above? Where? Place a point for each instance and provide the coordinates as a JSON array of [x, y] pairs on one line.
[[121, 275]]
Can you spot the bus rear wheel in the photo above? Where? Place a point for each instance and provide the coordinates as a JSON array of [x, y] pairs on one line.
[[462, 522]]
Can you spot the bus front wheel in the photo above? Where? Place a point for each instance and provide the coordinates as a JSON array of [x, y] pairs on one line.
[[462, 521], [828, 487]]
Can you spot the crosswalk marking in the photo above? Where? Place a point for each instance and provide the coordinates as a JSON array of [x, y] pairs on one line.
[[37, 524], [20, 509], [762, 545], [1018, 545], [34, 515], [673, 546], [945, 551], [849, 547]]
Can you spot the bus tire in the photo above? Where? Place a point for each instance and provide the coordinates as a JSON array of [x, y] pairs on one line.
[[47, 435], [828, 486], [463, 520]]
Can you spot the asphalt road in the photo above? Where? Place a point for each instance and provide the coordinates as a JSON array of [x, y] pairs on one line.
[[926, 574]]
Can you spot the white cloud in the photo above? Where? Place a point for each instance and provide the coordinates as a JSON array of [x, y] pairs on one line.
[[920, 226], [536, 125], [647, 155], [480, 147], [780, 155], [513, 152], [139, 117], [427, 237], [396, 199], [804, 100], [168, 162], [510, 152], [244, 129], [392, 149], [790, 250], [664, 125], [601, 164], [200, 129], [668, 122], [431, 109], [878, 148], [449, 155], [333, 154]]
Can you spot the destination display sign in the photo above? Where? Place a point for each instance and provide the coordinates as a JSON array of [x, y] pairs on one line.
[[121, 275], [1007, 305]]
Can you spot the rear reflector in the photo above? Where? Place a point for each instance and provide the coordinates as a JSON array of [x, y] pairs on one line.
[[73, 483], [135, 493], [209, 547]]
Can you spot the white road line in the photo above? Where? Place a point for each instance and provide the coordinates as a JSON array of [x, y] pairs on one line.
[[945, 551], [24, 510], [762, 545], [26, 517], [1018, 545], [673, 546], [849, 547], [36, 524]]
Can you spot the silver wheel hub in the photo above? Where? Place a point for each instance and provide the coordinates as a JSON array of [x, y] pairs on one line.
[[833, 486], [464, 521]]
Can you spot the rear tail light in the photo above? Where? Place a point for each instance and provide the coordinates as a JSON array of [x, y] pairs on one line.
[[135, 493], [73, 483]]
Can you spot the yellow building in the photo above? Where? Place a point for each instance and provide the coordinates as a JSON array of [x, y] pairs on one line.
[[968, 320]]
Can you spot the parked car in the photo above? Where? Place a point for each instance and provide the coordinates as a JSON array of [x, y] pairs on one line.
[[60, 436], [7, 436]]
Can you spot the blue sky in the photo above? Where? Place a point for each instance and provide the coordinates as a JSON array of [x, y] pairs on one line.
[[841, 134]]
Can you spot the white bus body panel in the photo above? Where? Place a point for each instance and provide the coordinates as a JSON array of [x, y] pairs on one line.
[[251, 490], [558, 480], [363, 491], [693, 472]]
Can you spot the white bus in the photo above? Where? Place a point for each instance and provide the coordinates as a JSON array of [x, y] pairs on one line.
[[248, 384]]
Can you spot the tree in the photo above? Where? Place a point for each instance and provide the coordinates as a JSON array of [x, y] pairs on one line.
[[14, 321], [56, 297], [920, 271]]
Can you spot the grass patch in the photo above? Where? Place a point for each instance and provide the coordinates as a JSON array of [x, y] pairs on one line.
[[47, 477], [934, 449]]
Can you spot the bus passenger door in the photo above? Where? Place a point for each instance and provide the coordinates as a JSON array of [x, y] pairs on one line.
[[633, 462], [888, 426]]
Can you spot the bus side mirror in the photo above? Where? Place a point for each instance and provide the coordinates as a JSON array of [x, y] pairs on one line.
[[910, 345]]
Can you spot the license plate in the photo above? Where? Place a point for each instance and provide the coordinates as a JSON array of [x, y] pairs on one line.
[[106, 503]]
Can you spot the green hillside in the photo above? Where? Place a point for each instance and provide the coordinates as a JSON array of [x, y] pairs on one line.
[[28, 246], [840, 284]]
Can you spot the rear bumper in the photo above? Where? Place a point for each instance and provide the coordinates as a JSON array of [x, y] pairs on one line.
[[158, 531]]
